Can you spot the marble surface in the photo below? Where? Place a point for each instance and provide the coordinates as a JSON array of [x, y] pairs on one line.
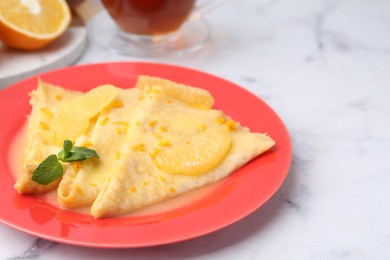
[[323, 65]]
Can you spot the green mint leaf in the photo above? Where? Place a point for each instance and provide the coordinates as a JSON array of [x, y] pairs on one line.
[[64, 153], [51, 169], [48, 171], [79, 153], [67, 147]]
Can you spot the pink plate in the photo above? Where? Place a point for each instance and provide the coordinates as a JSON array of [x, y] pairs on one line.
[[237, 196]]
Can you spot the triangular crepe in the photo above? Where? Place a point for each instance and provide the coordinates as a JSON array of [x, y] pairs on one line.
[[58, 115], [192, 96], [82, 181], [162, 126], [44, 100]]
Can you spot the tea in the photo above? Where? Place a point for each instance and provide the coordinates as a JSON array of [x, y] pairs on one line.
[[149, 17]]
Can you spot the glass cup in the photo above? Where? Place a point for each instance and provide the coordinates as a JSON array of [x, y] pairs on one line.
[[150, 28]]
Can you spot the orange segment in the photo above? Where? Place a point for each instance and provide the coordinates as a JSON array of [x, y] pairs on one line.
[[32, 24], [200, 154], [73, 118]]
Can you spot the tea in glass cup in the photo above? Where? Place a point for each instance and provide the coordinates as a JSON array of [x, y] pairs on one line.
[[152, 27], [149, 17]]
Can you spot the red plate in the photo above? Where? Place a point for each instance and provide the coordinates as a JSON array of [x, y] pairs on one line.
[[235, 197]]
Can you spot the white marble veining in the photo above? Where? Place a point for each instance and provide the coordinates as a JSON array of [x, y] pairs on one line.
[[324, 66]]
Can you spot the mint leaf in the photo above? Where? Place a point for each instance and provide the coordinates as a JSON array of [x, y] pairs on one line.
[[64, 153], [51, 169], [79, 153], [48, 171], [68, 145]]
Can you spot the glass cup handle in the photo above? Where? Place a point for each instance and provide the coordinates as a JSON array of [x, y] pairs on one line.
[[204, 6]]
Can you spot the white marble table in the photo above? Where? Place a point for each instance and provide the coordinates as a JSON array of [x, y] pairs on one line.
[[324, 66]]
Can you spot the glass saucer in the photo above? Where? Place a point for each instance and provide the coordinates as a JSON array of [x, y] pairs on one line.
[[191, 37]]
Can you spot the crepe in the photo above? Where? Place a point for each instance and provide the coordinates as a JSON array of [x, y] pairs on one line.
[[155, 141], [166, 121], [58, 115], [192, 96], [44, 100], [82, 181]]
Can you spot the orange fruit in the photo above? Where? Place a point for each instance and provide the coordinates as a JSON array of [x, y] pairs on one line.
[[32, 24]]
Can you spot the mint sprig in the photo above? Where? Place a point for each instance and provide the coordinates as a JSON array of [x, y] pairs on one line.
[[72, 153], [51, 169]]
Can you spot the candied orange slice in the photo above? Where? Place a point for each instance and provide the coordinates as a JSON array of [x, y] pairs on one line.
[[72, 118], [198, 155]]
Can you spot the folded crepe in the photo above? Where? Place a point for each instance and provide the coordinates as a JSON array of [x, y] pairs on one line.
[[82, 181], [175, 143], [44, 100], [192, 96], [57, 115]]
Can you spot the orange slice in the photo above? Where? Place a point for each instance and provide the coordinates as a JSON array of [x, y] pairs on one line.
[[73, 118], [200, 154], [32, 24]]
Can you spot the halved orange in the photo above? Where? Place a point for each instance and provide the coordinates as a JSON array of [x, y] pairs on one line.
[[32, 24]]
